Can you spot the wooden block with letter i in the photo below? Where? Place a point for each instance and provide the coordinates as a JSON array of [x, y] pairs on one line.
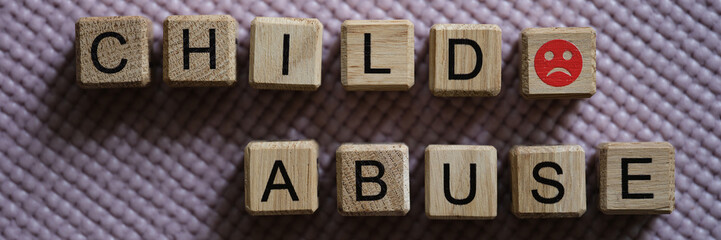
[[465, 60], [377, 55], [637, 178], [372, 179], [113, 51], [286, 53], [281, 177], [558, 62], [199, 50], [548, 181], [461, 182]]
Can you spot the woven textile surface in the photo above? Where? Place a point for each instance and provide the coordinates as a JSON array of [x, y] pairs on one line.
[[163, 163]]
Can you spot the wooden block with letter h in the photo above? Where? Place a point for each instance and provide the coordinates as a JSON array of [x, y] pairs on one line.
[[372, 179], [286, 53], [558, 62], [199, 50], [461, 182], [281, 177], [377, 55], [113, 51], [637, 178], [548, 181]]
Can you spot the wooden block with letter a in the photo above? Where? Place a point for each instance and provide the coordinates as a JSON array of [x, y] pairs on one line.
[[465, 60], [113, 51], [199, 50], [637, 178], [548, 181], [461, 182], [377, 55], [372, 179], [281, 177], [286, 53], [558, 62]]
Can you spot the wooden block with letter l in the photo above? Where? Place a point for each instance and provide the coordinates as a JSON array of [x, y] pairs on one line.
[[199, 50], [461, 182], [637, 178], [113, 51], [548, 181], [377, 55], [372, 179], [465, 60], [558, 62], [286, 53], [281, 177]]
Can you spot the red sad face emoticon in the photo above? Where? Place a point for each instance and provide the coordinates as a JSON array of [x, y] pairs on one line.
[[558, 63]]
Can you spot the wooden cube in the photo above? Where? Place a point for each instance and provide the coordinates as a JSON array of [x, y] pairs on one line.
[[465, 60], [286, 53], [372, 179], [548, 181], [377, 55], [461, 182], [199, 50], [113, 51], [281, 177], [636, 178], [558, 62]]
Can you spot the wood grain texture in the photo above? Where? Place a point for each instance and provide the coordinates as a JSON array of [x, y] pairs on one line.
[[305, 53], [300, 160], [199, 73], [392, 47], [136, 31], [572, 163], [584, 86], [660, 169], [482, 204], [394, 159], [487, 82]]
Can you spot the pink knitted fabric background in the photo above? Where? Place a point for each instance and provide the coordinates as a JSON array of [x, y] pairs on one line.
[[162, 163]]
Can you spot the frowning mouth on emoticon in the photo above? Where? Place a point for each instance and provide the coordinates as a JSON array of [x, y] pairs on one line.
[[558, 63]]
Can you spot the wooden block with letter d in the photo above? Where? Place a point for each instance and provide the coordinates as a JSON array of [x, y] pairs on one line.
[[637, 178], [548, 181], [372, 179], [281, 177], [113, 51], [465, 60], [461, 182], [377, 55], [286, 53], [199, 50]]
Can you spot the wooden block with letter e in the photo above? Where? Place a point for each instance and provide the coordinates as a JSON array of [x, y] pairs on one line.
[[558, 62], [286, 53], [199, 51], [637, 178], [113, 51], [377, 55], [281, 177], [461, 182], [548, 181], [465, 60], [372, 179]]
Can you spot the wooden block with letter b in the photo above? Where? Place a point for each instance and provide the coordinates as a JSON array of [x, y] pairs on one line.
[[199, 50], [637, 178], [372, 179], [465, 60], [281, 177], [377, 55], [558, 62], [548, 181], [286, 53], [113, 51], [461, 182]]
